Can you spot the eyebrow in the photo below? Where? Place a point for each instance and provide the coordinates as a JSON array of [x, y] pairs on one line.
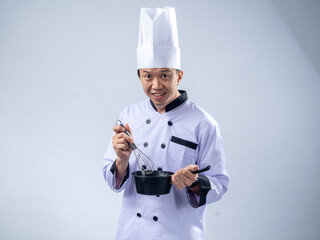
[[162, 71]]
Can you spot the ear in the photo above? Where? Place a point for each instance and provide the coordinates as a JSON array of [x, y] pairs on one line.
[[180, 75], [138, 72]]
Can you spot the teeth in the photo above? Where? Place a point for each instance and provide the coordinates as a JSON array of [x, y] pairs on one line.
[[157, 94]]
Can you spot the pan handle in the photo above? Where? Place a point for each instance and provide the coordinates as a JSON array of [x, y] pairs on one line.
[[202, 170], [199, 171]]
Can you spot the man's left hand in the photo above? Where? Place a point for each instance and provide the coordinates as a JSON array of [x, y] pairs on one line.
[[184, 177]]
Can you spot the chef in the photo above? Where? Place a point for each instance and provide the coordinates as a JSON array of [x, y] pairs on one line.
[[175, 133]]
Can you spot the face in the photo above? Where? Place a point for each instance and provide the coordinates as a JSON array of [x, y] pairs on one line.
[[160, 85]]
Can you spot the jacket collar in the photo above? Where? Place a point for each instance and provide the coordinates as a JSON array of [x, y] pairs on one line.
[[175, 103]]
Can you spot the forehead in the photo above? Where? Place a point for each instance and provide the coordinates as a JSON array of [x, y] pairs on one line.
[[156, 70]]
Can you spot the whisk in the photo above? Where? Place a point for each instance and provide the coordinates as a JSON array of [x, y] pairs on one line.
[[144, 162]]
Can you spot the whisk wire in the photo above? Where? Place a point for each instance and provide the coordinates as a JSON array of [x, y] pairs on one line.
[[145, 163]]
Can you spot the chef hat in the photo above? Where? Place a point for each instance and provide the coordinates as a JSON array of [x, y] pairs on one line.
[[158, 45]]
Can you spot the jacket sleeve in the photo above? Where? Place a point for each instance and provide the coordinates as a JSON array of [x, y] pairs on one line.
[[109, 167], [110, 172], [213, 183]]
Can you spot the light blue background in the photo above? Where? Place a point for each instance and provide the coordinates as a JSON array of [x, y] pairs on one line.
[[67, 69]]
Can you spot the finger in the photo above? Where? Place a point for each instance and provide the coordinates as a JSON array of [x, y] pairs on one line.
[[126, 137], [180, 182], [121, 140], [192, 167], [189, 175], [186, 176], [118, 129], [122, 135], [123, 147], [125, 128], [175, 181], [179, 179], [184, 181]]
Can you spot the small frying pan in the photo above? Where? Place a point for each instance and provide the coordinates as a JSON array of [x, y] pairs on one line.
[[156, 183]]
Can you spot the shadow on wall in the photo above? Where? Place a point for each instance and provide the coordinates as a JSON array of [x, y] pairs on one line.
[[303, 19]]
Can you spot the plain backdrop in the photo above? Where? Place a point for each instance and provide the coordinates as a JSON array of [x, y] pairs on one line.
[[67, 69]]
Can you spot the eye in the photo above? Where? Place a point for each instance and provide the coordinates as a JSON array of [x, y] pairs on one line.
[[148, 76], [165, 76]]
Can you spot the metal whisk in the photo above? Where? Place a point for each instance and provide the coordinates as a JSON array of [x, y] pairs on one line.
[[144, 162]]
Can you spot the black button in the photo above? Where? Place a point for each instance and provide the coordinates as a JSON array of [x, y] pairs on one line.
[[158, 195], [145, 144], [138, 215], [163, 145], [148, 121], [155, 218], [170, 123]]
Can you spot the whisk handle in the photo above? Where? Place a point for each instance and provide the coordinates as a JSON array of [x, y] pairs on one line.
[[132, 145]]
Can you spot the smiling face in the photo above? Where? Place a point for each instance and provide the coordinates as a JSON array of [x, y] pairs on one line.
[[160, 85]]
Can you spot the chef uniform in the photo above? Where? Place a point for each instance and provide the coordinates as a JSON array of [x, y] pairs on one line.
[[185, 134]]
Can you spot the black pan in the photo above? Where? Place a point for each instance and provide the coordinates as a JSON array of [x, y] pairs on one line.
[[156, 183]]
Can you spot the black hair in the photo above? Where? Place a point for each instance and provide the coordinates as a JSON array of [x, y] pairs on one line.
[[177, 70]]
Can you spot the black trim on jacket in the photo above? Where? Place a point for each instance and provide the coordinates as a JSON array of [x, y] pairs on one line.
[[113, 168], [175, 103], [205, 187], [184, 142]]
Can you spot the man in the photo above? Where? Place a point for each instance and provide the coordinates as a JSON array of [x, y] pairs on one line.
[[175, 133]]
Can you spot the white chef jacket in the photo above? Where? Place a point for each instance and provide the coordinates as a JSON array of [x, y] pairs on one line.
[[185, 134]]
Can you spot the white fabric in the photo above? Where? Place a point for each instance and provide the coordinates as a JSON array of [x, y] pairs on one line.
[[177, 219], [158, 45]]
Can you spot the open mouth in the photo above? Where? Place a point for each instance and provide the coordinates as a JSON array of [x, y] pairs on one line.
[[158, 96]]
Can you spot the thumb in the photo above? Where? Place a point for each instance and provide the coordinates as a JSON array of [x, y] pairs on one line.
[[193, 167]]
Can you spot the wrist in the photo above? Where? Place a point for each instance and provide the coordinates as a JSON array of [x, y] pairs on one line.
[[121, 163], [195, 183]]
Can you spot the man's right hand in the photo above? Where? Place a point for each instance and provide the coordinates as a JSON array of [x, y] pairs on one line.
[[123, 150]]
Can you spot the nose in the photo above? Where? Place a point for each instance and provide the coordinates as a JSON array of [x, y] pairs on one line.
[[156, 83]]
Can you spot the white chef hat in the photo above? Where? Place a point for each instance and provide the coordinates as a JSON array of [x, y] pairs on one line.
[[158, 45]]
